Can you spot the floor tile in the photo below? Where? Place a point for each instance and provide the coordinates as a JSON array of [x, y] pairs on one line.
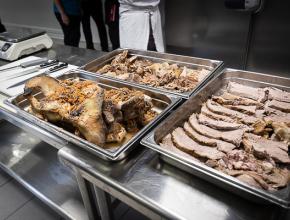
[[12, 197], [34, 210], [4, 178]]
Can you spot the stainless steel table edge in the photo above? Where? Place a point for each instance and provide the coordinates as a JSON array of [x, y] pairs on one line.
[[110, 186]]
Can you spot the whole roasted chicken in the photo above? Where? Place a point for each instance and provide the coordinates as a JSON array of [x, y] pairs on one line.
[[100, 116]]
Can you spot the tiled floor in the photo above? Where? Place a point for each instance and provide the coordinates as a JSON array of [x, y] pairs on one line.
[[16, 203]]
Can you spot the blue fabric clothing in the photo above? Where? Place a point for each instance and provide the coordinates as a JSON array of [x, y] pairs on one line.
[[71, 7]]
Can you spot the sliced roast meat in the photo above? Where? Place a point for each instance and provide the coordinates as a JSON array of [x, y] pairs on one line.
[[185, 143], [221, 145], [234, 137], [260, 113], [278, 178], [267, 142], [277, 94], [238, 89], [281, 106], [230, 99], [220, 125], [241, 160], [282, 131], [259, 118], [207, 112], [277, 118], [225, 146], [264, 148], [168, 144], [246, 178], [277, 115], [249, 110], [260, 127], [198, 137], [259, 179], [218, 109], [272, 111], [211, 163]]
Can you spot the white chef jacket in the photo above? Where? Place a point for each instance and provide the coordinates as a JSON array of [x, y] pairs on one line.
[[134, 27]]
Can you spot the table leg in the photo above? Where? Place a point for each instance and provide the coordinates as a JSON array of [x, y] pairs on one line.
[[104, 204], [88, 200]]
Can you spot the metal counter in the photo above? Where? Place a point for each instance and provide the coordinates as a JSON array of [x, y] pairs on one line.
[[159, 190]]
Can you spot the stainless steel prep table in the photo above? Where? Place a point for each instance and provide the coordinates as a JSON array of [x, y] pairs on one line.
[[158, 190], [32, 162], [142, 180]]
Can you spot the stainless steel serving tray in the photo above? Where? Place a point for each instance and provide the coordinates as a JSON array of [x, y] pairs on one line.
[[162, 102], [193, 105], [190, 62]]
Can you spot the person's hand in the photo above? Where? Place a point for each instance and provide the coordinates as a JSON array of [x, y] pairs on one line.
[[65, 19]]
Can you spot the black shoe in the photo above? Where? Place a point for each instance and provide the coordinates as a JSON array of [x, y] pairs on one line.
[[90, 46]]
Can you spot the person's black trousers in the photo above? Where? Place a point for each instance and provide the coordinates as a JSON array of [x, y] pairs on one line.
[[94, 8], [2, 27], [71, 32], [114, 34]]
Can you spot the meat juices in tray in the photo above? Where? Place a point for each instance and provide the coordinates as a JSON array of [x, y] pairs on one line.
[[100, 116], [244, 133]]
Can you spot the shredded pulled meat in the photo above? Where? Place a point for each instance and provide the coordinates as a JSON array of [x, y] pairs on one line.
[[161, 75]]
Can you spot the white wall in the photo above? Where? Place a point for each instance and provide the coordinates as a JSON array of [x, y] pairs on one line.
[[35, 14]]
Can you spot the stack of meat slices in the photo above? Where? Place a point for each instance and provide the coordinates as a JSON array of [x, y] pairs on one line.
[[244, 132]]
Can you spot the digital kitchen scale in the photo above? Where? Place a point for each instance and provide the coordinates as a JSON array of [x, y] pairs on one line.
[[18, 42]]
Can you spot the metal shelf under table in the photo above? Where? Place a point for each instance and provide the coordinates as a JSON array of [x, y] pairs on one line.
[[35, 165]]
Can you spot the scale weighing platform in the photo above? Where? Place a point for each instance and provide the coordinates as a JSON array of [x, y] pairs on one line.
[[19, 42]]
